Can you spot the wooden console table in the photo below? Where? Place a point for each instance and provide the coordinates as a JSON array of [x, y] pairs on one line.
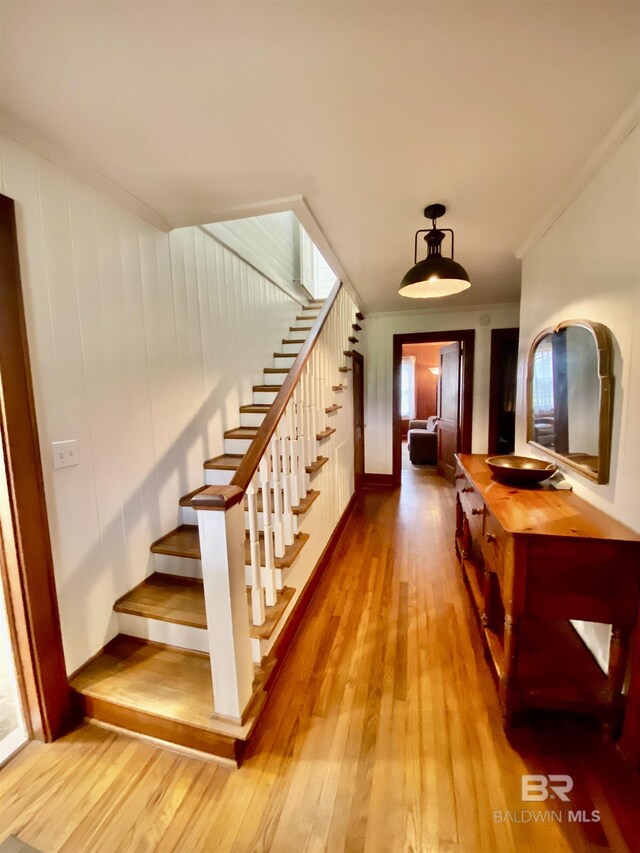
[[534, 559]]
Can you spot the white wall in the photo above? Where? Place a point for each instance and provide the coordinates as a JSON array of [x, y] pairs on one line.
[[587, 265], [266, 242], [143, 345], [378, 337]]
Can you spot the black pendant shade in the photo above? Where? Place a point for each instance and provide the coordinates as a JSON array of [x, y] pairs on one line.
[[436, 275]]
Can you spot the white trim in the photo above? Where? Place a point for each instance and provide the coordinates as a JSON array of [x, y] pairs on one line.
[[620, 130], [76, 166]]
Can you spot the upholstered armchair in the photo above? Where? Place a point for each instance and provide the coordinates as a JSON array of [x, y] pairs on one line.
[[422, 440]]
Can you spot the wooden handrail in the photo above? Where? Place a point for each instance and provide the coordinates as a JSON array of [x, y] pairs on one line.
[[260, 443]]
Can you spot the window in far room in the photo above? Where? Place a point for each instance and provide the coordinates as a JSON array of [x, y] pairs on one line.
[[408, 387]]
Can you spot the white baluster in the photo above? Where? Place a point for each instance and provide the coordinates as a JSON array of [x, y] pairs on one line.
[[257, 593], [268, 574], [293, 455], [299, 415], [276, 482], [286, 483]]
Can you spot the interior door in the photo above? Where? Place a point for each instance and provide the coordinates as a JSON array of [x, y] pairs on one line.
[[358, 418], [449, 409]]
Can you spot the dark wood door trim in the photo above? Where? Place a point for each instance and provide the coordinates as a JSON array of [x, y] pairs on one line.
[[498, 338], [27, 564], [467, 338], [359, 360]]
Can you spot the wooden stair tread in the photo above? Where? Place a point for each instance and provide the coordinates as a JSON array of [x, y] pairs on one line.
[[356, 327], [308, 317], [257, 409], [348, 353], [298, 509], [325, 433], [290, 554], [299, 328], [337, 387], [359, 316], [276, 370], [169, 598], [241, 432], [287, 341], [272, 615], [181, 542], [331, 409], [266, 387], [317, 465], [185, 500], [144, 683], [352, 339], [284, 355], [344, 369], [225, 462]]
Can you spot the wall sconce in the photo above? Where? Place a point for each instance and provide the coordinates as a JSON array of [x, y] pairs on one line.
[[435, 275]]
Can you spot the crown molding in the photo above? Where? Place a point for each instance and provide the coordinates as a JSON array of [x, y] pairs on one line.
[[486, 307], [618, 132], [15, 129]]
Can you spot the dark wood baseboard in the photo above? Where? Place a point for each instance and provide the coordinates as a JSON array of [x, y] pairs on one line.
[[377, 480]]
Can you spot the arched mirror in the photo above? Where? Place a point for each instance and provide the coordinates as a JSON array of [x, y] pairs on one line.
[[570, 396]]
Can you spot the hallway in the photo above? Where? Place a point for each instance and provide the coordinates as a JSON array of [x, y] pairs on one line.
[[383, 732]]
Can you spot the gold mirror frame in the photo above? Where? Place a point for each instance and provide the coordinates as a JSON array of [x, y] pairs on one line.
[[602, 338]]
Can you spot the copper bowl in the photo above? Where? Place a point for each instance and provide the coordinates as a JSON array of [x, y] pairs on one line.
[[520, 470]]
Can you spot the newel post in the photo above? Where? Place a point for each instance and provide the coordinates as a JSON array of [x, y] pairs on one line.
[[221, 526]]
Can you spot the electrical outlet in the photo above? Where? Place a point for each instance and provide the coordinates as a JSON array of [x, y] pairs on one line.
[[65, 453]]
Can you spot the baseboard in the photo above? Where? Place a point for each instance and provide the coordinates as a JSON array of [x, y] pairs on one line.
[[376, 480], [283, 643]]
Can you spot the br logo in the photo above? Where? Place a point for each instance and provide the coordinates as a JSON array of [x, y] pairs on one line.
[[538, 788]]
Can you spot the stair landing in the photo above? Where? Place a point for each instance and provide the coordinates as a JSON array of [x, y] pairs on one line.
[[162, 692]]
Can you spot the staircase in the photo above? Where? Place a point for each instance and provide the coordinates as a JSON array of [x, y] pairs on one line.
[[198, 638]]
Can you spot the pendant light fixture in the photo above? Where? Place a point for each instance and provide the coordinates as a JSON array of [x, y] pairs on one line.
[[435, 275]]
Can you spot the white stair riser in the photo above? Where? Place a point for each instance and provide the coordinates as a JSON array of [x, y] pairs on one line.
[[251, 418], [303, 324], [294, 349], [182, 636], [217, 477], [237, 445], [273, 378], [182, 566], [249, 577], [261, 398], [188, 515], [284, 362]]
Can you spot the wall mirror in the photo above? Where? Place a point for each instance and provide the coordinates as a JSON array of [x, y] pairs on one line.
[[570, 391]]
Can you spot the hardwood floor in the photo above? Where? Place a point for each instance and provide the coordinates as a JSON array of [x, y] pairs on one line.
[[383, 732]]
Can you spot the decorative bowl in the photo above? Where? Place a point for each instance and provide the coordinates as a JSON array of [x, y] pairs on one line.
[[520, 470]]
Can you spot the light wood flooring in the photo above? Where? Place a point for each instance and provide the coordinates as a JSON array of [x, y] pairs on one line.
[[383, 732]]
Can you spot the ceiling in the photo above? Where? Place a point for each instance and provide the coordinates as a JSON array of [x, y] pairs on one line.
[[368, 109]]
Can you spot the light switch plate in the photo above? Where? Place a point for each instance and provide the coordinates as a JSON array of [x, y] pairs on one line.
[[65, 453]]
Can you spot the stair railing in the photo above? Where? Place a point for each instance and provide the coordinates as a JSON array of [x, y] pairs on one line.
[[270, 482]]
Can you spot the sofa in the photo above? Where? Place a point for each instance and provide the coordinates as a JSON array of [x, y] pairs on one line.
[[422, 440]]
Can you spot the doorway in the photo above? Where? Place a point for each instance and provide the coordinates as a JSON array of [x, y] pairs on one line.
[[451, 397], [358, 418], [502, 391]]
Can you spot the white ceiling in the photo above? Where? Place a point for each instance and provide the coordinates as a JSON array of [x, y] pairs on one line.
[[368, 109]]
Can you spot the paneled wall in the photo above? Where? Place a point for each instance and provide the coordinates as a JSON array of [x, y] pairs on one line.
[[380, 329], [267, 242], [587, 265], [143, 345]]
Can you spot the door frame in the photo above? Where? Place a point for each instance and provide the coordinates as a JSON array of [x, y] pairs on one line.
[[498, 337], [359, 358], [26, 561], [467, 338]]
